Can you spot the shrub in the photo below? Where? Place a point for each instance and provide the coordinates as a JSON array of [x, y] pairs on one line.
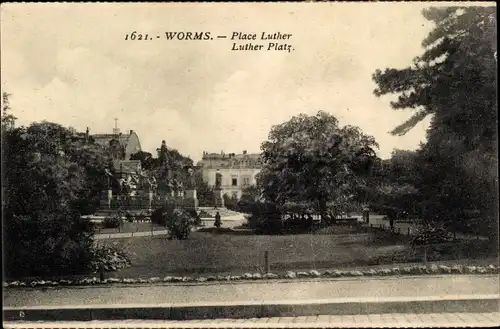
[[245, 206], [179, 223], [47, 244], [129, 217], [113, 221], [110, 257], [195, 217], [204, 214], [159, 216], [230, 203], [141, 217], [265, 218], [431, 235]]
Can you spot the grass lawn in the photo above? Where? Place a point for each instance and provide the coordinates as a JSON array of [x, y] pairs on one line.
[[221, 254]]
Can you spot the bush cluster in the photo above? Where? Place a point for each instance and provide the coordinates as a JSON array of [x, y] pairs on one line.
[[111, 258], [113, 221], [178, 221]]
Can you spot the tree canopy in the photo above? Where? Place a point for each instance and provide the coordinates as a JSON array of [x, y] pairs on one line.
[[51, 176], [313, 159], [454, 81]]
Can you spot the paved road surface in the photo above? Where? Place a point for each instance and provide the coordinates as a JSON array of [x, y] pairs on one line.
[[459, 320], [250, 291]]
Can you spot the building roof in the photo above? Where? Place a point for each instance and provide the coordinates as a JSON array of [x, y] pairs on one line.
[[104, 139], [230, 160]]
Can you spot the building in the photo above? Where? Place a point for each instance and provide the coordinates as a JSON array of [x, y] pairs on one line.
[[122, 146], [237, 170]]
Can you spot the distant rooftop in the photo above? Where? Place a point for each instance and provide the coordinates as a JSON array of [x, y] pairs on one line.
[[221, 160], [222, 155]]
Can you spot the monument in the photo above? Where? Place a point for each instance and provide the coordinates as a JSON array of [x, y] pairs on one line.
[[218, 192], [191, 189]]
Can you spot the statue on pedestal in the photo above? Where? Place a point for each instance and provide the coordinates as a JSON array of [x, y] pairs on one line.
[[219, 200], [191, 179], [218, 181]]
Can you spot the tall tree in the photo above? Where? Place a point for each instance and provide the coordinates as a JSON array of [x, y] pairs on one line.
[[47, 170], [454, 80], [455, 77], [311, 159], [392, 187]]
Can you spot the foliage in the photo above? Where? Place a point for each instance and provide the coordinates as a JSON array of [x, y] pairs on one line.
[[204, 214], [159, 216], [311, 159], [177, 221], [204, 193], [129, 217], [431, 235], [250, 193], [148, 162], [8, 119], [265, 218], [230, 202], [393, 189], [113, 221], [48, 171], [196, 218], [169, 168], [111, 259], [179, 224], [454, 80]]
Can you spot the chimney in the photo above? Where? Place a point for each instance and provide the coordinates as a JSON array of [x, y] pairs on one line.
[[244, 151], [131, 131]]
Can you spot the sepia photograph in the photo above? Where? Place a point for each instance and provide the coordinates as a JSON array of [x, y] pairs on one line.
[[249, 165]]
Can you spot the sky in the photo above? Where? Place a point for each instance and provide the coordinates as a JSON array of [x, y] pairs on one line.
[[70, 64]]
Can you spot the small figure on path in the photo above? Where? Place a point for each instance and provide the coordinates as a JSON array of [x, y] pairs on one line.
[[218, 222]]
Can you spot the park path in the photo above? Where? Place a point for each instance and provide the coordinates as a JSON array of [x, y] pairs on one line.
[[280, 290]]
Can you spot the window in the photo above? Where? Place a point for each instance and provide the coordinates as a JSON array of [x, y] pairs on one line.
[[246, 181], [235, 182]]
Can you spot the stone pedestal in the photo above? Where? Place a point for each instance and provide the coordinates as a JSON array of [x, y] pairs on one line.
[[150, 199], [110, 197], [219, 199]]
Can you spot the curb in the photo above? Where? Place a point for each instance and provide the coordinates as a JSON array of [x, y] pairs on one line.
[[258, 309], [148, 283], [414, 270]]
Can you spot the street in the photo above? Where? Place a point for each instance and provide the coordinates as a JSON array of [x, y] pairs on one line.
[[251, 291]]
